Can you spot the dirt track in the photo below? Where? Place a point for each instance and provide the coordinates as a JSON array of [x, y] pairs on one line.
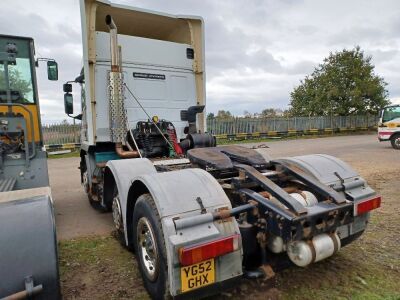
[[76, 218]]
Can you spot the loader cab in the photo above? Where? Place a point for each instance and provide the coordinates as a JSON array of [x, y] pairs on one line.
[[18, 86], [22, 157]]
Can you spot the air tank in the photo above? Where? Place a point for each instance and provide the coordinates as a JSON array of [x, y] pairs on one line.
[[303, 253]]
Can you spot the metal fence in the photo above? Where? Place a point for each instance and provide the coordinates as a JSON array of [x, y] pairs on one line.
[[67, 133], [62, 133], [281, 124]]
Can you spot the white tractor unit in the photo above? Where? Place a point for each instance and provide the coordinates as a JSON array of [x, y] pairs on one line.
[[197, 216]]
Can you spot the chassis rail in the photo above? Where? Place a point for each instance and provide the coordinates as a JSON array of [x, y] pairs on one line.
[[288, 218]]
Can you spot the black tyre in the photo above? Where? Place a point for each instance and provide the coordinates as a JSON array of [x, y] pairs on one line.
[[395, 140], [149, 247], [86, 187]]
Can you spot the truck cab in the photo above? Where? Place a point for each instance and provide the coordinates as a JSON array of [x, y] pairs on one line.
[[389, 125]]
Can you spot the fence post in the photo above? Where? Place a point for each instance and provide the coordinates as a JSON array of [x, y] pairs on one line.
[[288, 125]]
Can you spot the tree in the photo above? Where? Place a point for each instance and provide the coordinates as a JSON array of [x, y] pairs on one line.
[[17, 83], [247, 114], [210, 116], [224, 114], [268, 113], [344, 84]]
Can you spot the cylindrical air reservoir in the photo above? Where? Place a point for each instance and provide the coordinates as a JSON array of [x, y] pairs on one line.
[[303, 253]]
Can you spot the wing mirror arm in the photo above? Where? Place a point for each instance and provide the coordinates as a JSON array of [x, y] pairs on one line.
[[52, 67]]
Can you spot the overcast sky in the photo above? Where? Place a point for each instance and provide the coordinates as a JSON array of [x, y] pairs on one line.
[[256, 51]]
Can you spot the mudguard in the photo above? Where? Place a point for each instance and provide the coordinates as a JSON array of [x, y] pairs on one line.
[[28, 248], [333, 172], [184, 194], [122, 172], [177, 195]]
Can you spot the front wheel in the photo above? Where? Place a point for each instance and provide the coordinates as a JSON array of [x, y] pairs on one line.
[[117, 216], [149, 247], [87, 188], [395, 140]]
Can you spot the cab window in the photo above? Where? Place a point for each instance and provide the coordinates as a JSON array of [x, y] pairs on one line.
[[391, 113], [20, 74]]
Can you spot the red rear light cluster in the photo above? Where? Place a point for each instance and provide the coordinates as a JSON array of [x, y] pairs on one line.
[[193, 254], [367, 205]]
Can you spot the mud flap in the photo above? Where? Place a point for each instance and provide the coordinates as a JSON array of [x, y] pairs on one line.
[[28, 248]]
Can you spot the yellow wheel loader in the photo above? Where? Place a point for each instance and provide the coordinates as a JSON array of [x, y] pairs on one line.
[[28, 244]]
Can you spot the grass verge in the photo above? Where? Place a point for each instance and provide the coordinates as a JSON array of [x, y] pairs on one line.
[[65, 155], [293, 137]]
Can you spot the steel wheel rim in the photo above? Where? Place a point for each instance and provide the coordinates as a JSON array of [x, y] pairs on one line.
[[85, 181], [116, 212], [397, 142], [147, 249]]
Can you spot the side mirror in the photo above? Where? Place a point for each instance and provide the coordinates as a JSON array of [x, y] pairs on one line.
[[68, 103], [52, 70], [67, 88]]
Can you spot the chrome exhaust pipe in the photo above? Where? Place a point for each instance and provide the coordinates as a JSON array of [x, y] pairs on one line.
[[113, 44], [118, 126]]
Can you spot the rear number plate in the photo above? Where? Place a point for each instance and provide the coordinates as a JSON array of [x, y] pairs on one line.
[[197, 275]]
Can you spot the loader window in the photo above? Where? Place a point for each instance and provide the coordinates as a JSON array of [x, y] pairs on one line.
[[19, 75], [391, 113]]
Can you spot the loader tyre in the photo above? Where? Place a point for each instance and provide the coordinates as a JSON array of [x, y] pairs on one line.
[[395, 140], [150, 248]]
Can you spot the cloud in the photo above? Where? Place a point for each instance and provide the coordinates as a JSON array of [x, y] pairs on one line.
[[257, 51]]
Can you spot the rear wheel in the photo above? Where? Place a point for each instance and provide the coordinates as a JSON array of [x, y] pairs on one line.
[[395, 140], [150, 247]]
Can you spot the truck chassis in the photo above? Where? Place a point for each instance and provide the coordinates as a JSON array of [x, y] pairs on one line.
[[307, 207]]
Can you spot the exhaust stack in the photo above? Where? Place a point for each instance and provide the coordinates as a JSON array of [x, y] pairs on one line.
[[118, 126], [113, 44]]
